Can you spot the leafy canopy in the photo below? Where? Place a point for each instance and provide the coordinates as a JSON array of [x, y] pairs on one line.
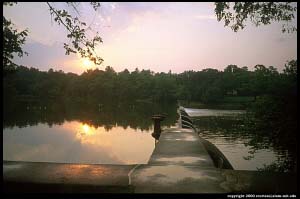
[[77, 33], [259, 13], [12, 42]]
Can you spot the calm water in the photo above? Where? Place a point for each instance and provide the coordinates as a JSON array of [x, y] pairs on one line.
[[118, 135], [77, 142], [225, 129], [88, 134]]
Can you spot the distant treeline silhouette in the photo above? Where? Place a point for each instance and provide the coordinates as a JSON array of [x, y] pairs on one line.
[[107, 86]]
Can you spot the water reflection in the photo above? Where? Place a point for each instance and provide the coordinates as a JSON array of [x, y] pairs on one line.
[[245, 150], [76, 142], [86, 129], [120, 135], [238, 154], [126, 116], [75, 133]]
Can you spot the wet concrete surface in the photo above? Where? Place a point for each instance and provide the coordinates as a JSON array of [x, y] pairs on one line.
[[58, 177], [180, 147], [178, 164], [192, 179], [177, 179]]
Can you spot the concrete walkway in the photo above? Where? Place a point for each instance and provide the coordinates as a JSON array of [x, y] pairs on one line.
[[178, 164], [41, 177], [180, 147], [181, 164]]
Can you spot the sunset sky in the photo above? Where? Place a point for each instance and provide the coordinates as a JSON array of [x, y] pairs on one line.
[[157, 36]]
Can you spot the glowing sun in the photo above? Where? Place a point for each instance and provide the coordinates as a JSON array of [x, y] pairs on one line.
[[87, 63]]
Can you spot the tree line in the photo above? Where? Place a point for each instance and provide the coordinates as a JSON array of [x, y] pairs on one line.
[[208, 86]]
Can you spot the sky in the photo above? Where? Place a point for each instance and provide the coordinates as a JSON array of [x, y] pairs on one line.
[[160, 36]]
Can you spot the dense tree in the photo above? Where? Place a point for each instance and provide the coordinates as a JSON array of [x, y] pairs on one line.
[[12, 43], [104, 86]]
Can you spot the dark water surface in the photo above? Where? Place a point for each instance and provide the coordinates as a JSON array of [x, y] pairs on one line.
[[118, 134]]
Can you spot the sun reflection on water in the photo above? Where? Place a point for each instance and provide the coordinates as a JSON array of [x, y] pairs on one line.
[[84, 130], [90, 144]]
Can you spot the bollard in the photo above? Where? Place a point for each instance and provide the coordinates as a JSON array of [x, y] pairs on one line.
[[157, 130]]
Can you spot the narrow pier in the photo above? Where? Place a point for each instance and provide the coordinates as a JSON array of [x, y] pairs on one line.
[[180, 163]]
